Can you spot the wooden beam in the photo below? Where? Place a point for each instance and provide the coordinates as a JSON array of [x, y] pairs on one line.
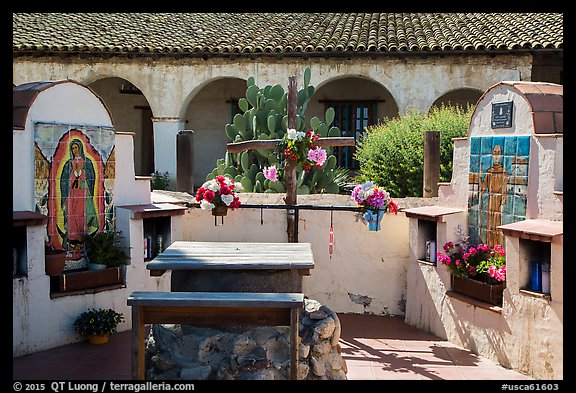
[[431, 163], [294, 343], [290, 168], [239, 147], [138, 346]]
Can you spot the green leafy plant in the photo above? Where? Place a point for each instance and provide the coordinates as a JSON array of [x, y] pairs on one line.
[[105, 248], [392, 153], [97, 322], [160, 181], [343, 179]]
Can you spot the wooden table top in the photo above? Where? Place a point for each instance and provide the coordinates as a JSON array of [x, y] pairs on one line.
[[189, 255]]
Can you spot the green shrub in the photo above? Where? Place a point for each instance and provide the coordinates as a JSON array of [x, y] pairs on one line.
[[160, 181], [391, 154]]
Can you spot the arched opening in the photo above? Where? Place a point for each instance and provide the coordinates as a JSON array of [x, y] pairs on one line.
[[207, 114], [358, 103], [459, 97], [130, 112]]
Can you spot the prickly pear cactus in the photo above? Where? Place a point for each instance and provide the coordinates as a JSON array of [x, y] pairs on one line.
[[265, 116]]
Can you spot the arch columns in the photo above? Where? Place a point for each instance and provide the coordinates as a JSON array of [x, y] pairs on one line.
[[165, 133]]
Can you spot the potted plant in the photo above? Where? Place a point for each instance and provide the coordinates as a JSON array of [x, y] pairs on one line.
[[376, 201], [55, 259], [104, 250], [218, 195], [107, 260], [478, 270], [98, 324]]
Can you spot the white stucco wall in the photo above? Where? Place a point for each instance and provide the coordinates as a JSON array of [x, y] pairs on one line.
[[527, 334], [40, 322], [128, 190], [364, 264]]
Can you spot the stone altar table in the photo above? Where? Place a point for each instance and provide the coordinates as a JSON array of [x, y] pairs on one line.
[[234, 266]]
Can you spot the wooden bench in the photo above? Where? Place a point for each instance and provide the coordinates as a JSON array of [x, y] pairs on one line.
[[213, 309]]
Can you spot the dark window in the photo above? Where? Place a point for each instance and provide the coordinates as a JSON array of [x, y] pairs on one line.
[[352, 118]]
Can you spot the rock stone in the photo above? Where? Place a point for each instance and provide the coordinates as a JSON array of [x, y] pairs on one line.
[[318, 314], [337, 330], [253, 361], [317, 368], [311, 305], [197, 373], [188, 352], [277, 349], [321, 348], [325, 328], [303, 370]]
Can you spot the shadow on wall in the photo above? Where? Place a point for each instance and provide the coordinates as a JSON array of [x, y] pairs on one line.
[[493, 326]]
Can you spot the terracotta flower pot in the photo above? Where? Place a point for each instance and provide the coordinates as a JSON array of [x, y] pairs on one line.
[[55, 262], [97, 340]]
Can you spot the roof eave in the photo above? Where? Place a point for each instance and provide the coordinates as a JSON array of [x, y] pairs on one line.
[[326, 54]]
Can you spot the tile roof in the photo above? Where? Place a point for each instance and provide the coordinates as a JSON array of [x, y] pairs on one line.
[[283, 33]]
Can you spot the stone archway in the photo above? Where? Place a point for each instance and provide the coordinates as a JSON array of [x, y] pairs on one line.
[[458, 97], [359, 102], [207, 114], [131, 112]]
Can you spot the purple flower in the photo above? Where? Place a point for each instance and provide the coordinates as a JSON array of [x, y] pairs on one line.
[[317, 155], [376, 200], [356, 194], [270, 173]]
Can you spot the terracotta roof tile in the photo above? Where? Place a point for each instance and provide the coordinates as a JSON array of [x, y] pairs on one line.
[[226, 33], [546, 103]]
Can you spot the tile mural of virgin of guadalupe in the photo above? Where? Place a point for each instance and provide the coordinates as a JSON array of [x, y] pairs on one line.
[[74, 177]]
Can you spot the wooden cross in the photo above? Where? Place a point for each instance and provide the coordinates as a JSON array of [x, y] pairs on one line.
[[290, 168]]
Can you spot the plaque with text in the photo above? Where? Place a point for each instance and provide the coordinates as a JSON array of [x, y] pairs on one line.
[[502, 114]]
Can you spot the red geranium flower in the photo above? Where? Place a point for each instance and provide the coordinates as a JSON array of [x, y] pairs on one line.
[[209, 195]]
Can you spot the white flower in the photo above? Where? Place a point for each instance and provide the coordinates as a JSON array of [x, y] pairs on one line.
[[213, 186], [227, 199], [207, 205], [291, 133], [228, 181], [238, 187]]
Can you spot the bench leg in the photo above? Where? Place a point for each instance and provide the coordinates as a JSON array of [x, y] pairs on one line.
[[137, 343], [294, 313]]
